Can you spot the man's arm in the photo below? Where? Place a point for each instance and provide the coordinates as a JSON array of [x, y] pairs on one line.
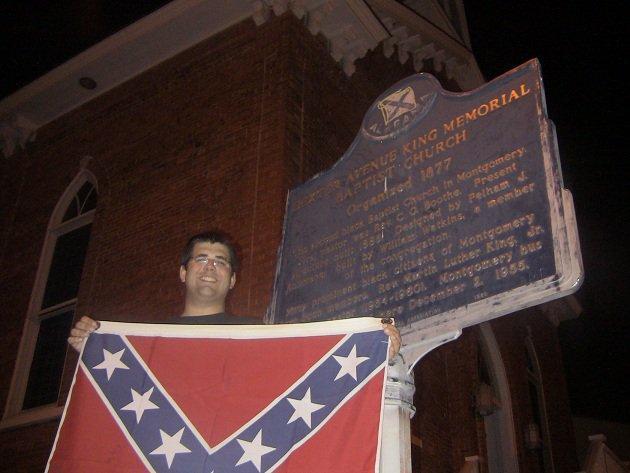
[[394, 336], [80, 332]]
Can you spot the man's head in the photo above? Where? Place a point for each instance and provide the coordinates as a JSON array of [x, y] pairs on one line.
[[208, 266], [210, 237]]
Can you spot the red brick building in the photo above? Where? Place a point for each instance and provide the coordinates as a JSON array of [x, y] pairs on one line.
[[199, 117]]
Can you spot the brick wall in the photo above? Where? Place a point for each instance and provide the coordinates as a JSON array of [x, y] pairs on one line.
[[324, 107], [431, 422], [26, 450], [462, 377]]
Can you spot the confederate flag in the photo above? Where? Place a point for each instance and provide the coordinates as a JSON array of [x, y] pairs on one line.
[[241, 398]]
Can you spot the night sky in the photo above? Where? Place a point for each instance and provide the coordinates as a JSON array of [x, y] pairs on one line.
[[581, 50]]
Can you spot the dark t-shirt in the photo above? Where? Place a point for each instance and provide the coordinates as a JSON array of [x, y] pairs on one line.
[[215, 319]]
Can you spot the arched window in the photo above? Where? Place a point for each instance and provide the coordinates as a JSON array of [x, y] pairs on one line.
[[37, 376], [537, 432], [494, 403]]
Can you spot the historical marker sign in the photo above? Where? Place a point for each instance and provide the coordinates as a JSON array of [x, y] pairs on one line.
[[447, 210]]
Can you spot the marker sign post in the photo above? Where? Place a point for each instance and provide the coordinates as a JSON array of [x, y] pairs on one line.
[[446, 211]]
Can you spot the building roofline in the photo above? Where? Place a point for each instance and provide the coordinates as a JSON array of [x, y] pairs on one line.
[[351, 27]]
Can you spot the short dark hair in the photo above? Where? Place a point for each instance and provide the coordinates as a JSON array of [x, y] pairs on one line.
[[210, 237]]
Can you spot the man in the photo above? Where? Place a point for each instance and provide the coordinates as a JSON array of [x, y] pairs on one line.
[[208, 269]]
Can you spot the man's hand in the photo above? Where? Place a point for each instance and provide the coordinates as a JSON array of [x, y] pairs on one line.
[[394, 336], [80, 331]]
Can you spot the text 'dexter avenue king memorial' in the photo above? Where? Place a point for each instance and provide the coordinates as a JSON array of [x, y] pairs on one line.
[[447, 210]]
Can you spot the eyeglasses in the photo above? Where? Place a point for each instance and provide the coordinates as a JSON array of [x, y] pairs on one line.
[[217, 263]]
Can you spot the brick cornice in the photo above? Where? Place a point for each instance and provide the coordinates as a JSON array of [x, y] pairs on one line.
[[15, 132]]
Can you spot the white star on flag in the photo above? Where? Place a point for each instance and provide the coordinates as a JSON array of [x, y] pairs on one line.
[[140, 403], [253, 451], [348, 364], [304, 408], [171, 446], [111, 362]]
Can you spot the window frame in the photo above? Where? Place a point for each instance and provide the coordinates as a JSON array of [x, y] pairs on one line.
[[501, 444], [14, 415], [534, 376]]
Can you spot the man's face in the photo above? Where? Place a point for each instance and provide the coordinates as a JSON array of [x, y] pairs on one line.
[[208, 283]]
